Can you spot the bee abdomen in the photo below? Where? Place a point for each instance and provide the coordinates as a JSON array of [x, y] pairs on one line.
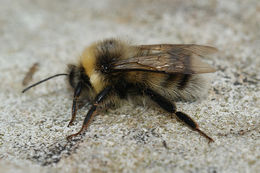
[[169, 79], [184, 81], [180, 80]]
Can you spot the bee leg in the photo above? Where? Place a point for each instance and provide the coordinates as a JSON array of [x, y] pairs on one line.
[[165, 104], [77, 92], [192, 124], [100, 97]]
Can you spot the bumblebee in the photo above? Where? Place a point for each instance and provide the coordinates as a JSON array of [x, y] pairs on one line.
[[112, 70]]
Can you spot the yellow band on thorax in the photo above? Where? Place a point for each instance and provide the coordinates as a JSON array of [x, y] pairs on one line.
[[88, 60]]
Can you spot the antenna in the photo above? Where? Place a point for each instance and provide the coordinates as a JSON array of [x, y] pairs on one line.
[[37, 83]]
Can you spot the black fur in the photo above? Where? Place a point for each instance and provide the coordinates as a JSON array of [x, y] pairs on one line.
[[76, 75], [184, 81], [108, 53], [169, 79]]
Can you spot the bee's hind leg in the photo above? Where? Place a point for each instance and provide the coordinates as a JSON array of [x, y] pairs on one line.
[[192, 124], [170, 107]]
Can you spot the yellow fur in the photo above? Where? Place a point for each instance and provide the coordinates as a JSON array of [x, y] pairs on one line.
[[88, 61], [96, 80]]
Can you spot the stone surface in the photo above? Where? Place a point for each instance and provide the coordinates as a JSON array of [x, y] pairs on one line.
[[128, 139]]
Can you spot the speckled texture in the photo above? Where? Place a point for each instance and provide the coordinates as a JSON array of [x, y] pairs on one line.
[[129, 139]]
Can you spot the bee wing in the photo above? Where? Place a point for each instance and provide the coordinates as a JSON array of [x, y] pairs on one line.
[[168, 58], [199, 50]]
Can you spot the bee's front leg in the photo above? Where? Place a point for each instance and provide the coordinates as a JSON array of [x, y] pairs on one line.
[[99, 98], [77, 92]]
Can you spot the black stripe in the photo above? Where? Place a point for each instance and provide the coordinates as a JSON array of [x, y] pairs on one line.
[[168, 80], [184, 81]]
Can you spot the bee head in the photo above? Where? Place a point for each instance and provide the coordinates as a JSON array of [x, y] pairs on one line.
[[77, 75], [80, 82]]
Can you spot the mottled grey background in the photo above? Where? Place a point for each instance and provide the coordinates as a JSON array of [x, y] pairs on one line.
[[33, 126]]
